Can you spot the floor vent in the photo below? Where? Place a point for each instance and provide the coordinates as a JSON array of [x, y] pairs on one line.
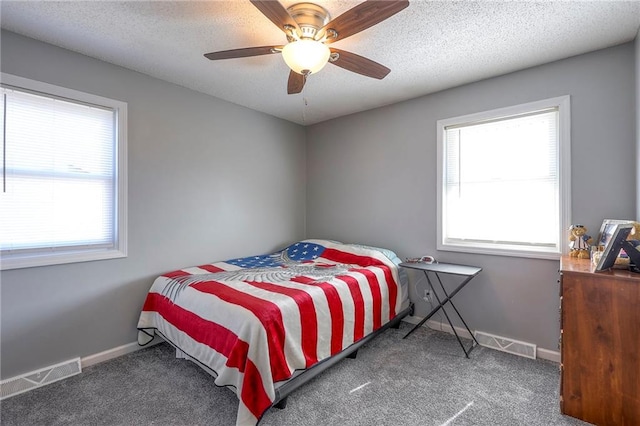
[[39, 378], [504, 344]]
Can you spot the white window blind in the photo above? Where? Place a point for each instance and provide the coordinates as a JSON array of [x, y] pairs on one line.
[[502, 182], [60, 187]]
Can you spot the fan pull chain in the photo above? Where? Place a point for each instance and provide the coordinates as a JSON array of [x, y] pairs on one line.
[[304, 110], [304, 106]]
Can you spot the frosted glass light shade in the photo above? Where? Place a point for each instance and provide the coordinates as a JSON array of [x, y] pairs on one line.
[[306, 56]]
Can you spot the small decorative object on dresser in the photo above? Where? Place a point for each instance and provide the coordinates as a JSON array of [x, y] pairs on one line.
[[579, 241], [606, 234], [619, 251], [614, 248], [606, 230]]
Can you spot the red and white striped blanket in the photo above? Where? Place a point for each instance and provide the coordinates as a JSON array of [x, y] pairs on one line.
[[255, 321]]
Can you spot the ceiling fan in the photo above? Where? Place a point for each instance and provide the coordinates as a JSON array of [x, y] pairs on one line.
[[309, 29]]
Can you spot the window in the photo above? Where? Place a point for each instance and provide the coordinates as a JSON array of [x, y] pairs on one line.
[[63, 195], [503, 180]]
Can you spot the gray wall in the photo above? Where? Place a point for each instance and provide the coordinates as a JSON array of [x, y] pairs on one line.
[[372, 179], [208, 180]]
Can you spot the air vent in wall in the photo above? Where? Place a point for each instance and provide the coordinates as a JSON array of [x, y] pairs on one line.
[[39, 378], [504, 344]]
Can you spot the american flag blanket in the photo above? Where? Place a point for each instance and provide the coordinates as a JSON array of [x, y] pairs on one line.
[[255, 321]]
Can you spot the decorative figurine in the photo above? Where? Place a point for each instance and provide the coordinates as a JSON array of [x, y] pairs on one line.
[[579, 242], [635, 232]]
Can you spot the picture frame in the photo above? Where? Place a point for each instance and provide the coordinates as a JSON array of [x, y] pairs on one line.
[[606, 230], [615, 234]]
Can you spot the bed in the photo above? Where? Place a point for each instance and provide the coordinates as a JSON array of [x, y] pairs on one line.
[[264, 325]]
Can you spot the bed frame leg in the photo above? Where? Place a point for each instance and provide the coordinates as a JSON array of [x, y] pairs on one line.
[[282, 404], [353, 354], [396, 325]]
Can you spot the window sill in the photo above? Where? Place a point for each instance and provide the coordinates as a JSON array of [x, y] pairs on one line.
[[21, 261], [495, 251]]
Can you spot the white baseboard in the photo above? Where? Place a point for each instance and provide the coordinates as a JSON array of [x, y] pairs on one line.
[[115, 353], [541, 353], [549, 355]]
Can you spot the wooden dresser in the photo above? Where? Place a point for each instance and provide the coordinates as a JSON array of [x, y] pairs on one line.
[[600, 344]]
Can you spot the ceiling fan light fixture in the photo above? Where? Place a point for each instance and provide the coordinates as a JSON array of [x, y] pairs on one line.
[[306, 56]]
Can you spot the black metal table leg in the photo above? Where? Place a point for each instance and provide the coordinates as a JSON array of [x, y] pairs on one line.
[[469, 272], [475, 341]]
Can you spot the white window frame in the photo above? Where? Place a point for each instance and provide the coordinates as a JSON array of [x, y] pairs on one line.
[[81, 254], [564, 174]]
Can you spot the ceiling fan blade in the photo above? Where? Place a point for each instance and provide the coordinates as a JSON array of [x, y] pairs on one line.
[[276, 13], [243, 53], [295, 83], [363, 16], [359, 64]]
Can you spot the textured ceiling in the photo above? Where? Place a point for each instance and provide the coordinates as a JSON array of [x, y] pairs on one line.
[[429, 46]]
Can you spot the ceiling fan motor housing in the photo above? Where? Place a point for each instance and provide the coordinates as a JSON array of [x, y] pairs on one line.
[[310, 18]]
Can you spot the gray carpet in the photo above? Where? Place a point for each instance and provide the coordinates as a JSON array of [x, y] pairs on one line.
[[423, 380]]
